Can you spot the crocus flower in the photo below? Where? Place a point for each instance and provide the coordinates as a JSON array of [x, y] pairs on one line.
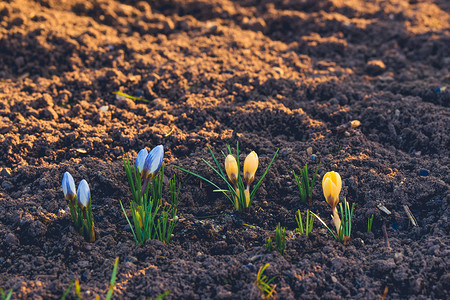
[[68, 186], [250, 167], [140, 160], [231, 168], [332, 185], [153, 162], [83, 194]]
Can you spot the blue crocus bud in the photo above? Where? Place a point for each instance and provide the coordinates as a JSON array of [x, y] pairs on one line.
[[140, 160], [68, 186], [83, 194], [153, 162]]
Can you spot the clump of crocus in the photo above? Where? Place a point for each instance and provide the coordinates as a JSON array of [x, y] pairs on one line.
[[79, 202], [151, 218], [238, 187], [332, 185], [232, 169]]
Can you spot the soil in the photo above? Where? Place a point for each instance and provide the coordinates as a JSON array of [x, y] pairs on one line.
[[281, 74]]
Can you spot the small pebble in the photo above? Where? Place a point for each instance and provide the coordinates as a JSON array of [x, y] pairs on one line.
[[397, 113], [375, 67], [424, 172], [355, 123], [309, 151], [250, 267], [131, 259], [104, 108]]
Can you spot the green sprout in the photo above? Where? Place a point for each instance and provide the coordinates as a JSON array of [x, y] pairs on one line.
[[309, 223], [109, 294], [120, 94], [150, 217], [280, 238], [80, 207], [163, 295], [269, 244], [369, 223], [304, 186], [264, 283], [238, 187], [345, 227], [4, 296]]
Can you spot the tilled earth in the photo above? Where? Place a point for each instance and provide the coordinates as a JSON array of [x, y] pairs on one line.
[[285, 74]]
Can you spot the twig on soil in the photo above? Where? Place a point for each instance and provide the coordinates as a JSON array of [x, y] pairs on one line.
[[386, 289], [410, 215], [384, 209]]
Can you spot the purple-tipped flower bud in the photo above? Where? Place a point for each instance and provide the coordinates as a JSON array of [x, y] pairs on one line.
[[140, 160], [68, 186], [83, 194], [153, 162]]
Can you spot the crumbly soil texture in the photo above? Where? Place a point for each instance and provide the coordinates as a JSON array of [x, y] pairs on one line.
[[363, 87]]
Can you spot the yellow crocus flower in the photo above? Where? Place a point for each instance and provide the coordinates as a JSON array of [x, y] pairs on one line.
[[250, 167], [332, 185], [231, 168]]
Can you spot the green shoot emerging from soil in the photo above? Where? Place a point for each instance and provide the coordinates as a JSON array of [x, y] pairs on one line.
[[4, 296], [120, 94], [109, 294], [264, 283], [345, 228], [237, 187], [308, 222], [304, 186], [269, 244], [280, 238], [163, 295], [150, 217], [369, 223]]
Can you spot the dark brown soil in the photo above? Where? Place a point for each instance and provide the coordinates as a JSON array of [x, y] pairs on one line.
[[285, 74]]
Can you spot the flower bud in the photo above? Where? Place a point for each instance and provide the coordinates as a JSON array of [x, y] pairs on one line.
[[332, 185], [153, 162], [231, 168], [83, 194], [250, 167], [139, 216], [140, 160], [68, 186]]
